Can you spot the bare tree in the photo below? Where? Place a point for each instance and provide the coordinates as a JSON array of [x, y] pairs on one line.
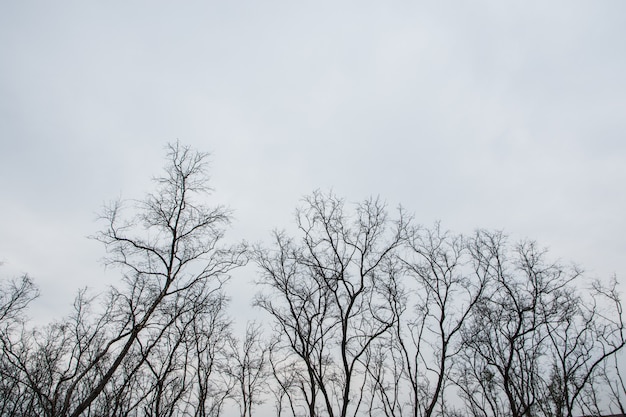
[[534, 346], [443, 291], [587, 332], [133, 353], [331, 295], [506, 341], [288, 376], [248, 366], [208, 348], [15, 296]]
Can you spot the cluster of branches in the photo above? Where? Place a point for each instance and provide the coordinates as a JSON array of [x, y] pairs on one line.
[[369, 315], [156, 345], [377, 316]]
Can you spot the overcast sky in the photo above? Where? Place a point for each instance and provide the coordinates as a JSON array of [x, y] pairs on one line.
[[491, 114]]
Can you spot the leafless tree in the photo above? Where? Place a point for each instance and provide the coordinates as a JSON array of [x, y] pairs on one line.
[[442, 291], [132, 354], [248, 366], [505, 344], [331, 296], [15, 296], [588, 332], [534, 346], [288, 377]]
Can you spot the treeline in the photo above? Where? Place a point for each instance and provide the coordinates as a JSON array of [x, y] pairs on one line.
[[366, 312]]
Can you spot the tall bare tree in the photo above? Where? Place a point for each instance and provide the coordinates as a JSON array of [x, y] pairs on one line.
[[169, 249], [442, 290], [15, 296], [248, 366], [581, 339], [331, 296], [535, 347]]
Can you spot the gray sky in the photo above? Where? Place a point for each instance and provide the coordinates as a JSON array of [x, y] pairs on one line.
[[506, 115]]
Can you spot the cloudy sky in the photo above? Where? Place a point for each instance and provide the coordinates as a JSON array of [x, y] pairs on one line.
[[502, 115]]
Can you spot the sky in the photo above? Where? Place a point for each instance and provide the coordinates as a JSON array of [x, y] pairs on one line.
[[483, 114]]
